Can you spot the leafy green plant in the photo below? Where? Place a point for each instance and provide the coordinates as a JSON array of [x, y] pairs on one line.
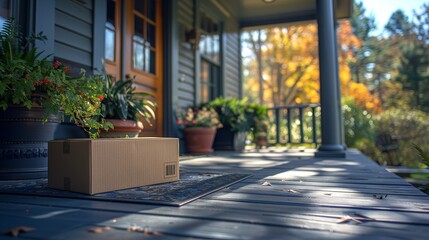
[[122, 101], [31, 82], [409, 126], [260, 119], [424, 156], [232, 113]]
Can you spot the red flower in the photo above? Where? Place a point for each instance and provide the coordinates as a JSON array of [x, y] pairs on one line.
[[101, 98], [194, 121], [46, 81], [179, 121], [96, 106], [67, 69], [56, 64], [34, 83], [185, 123]]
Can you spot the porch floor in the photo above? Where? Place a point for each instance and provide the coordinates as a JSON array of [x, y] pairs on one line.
[[290, 195]]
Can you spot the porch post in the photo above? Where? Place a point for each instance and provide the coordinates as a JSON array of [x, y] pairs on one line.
[[329, 100]]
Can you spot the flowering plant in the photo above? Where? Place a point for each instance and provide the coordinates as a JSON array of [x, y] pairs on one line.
[[199, 117], [28, 81]]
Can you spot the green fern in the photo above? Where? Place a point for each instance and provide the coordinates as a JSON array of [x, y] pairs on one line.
[[424, 156]]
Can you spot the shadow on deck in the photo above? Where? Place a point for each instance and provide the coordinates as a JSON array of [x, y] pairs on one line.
[[290, 194]]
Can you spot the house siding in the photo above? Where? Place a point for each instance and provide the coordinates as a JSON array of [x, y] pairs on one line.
[[232, 65], [74, 31], [186, 82]]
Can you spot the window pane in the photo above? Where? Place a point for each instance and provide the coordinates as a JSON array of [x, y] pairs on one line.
[[151, 34], [138, 49], [204, 84], [111, 12], [209, 46], [4, 11], [138, 27], [110, 43], [216, 45], [139, 6], [150, 6], [202, 44], [150, 61]]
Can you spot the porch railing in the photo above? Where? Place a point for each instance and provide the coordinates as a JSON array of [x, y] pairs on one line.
[[296, 123]]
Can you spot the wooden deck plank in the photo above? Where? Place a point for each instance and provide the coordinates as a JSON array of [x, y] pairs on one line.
[[411, 217], [248, 210]]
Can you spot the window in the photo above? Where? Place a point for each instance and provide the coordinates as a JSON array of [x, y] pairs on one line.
[[144, 38], [109, 53], [4, 11], [209, 78], [210, 40], [210, 59]]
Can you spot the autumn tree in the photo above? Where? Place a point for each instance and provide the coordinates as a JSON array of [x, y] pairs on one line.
[[284, 62]]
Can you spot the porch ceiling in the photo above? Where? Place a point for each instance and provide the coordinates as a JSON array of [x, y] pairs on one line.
[[255, 13]]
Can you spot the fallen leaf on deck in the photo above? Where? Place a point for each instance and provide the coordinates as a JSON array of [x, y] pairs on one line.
[[362, 217], [380, 196], [347, 218], [292, 191], [266, 183], [150, 232], [134, 229], [357, 217], [17, 230], [99, 229]]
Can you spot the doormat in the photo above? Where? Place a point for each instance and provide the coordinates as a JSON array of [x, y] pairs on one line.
[[191, 186]]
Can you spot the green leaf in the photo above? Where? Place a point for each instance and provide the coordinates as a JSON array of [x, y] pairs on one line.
[[422, 154]]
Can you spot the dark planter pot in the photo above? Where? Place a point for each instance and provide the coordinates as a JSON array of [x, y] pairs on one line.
[[228, 140], [24, 142], [261, 141], [199, 140], [123, 128]]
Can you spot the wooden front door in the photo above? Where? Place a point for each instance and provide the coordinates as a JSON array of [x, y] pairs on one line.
[[140, 54]]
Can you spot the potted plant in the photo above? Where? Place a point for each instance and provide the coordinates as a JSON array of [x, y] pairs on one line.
[[260, 124], [123, 107], [236, 120], [35, 94], [199, 128]]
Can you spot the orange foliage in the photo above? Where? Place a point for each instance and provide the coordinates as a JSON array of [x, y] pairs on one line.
[[291, 67]]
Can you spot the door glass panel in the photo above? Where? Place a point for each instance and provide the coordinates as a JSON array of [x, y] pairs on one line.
[[150, 6], [138, 27], [139, 6], [152, 62], [4, 11], [151, 34], [138, 49]]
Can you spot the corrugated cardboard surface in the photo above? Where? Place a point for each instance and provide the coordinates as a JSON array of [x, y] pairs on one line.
[[101, 165]]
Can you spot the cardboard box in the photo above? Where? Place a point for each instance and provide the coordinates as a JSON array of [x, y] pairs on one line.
[[101, 165]]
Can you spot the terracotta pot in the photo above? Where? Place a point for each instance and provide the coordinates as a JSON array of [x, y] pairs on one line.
[[199, 140], [123, 128]]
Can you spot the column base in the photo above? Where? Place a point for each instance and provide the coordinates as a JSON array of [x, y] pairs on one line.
[[331, 150], [321, 154]]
